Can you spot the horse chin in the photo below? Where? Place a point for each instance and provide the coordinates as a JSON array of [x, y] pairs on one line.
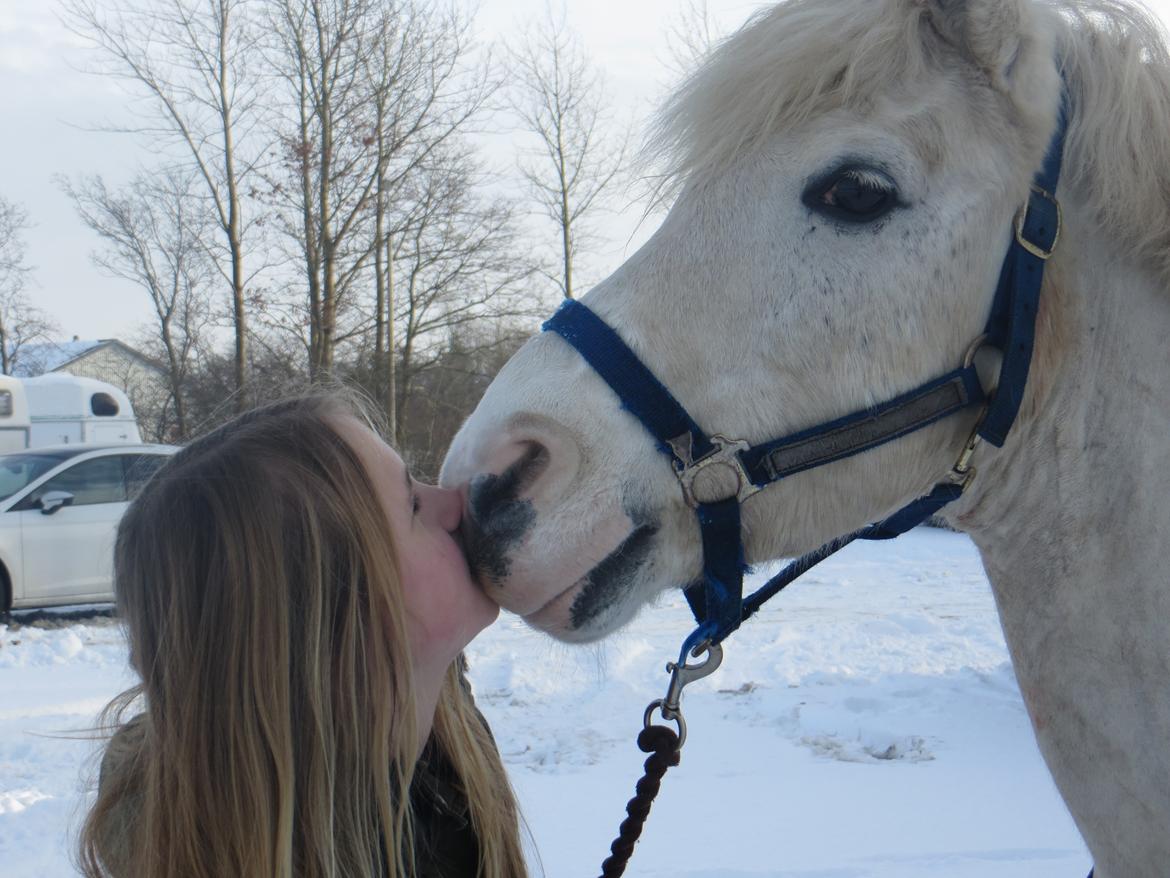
[[561, 617], [556, 619]]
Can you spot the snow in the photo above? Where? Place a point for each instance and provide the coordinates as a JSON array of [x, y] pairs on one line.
[[866, 724]]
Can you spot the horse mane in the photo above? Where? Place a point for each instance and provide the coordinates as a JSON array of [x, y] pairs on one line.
[[1116, 63], [800, 58]]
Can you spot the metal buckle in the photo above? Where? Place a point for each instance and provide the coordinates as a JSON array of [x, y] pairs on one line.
[[962, 473], [681, 675], [726, 453], [1022, 215]]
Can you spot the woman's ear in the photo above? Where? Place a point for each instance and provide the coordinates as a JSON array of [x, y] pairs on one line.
[[989, 33]]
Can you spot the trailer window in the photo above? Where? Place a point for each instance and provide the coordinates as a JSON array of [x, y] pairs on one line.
[[103, 405], [5, 403]]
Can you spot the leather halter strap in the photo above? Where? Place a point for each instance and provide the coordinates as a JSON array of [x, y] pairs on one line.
[[717, 602]]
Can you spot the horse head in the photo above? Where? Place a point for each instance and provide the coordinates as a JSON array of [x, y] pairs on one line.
[[847, 174]]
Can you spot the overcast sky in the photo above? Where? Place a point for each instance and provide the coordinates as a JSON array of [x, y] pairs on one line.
[[45, 104]]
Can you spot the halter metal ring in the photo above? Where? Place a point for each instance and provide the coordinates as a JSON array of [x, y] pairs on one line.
[[962, 473], [726, 454], [973, 349]]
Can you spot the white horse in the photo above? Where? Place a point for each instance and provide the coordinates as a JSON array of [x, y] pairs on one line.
[[847, 173]]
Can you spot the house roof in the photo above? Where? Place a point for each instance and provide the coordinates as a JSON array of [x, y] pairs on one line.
[[37, 359]]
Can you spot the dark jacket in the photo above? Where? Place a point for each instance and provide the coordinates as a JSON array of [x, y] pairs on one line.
[[445, 843]]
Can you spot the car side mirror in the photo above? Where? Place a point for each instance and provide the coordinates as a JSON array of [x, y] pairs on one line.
[[54, 500]]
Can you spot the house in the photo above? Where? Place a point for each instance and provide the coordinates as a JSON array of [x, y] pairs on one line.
[[143, 379]]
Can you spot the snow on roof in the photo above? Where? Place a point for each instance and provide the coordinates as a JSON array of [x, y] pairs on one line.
[[37, 359]]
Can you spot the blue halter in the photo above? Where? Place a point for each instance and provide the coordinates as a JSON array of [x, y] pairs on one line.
[[717, 601]]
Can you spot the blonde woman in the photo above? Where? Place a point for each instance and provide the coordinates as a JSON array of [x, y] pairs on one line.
[[296, 606]]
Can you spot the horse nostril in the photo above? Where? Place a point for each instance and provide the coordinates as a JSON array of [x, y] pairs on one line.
[[490, 493], [531, 465], [499, 516]]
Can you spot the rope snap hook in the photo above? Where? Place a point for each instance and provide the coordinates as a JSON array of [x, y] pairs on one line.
[[682, 675]]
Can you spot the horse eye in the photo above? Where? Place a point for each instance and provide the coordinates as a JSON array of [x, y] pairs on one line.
[[855, 195]]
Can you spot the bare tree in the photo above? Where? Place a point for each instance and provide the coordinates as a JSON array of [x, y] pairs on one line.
[[13, 223], [444, 393], [560, 98], [276, 368], [21, 322], [459, 263], [375, 87], [416, 112], [190, 61], [153, 233], [691, 34]]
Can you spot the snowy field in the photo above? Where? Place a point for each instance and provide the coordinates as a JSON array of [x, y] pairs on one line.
[[866, 724]]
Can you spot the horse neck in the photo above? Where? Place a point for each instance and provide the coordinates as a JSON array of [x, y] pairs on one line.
[[1071, 518]]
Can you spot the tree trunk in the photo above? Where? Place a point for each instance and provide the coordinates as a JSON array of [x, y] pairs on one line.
[[391, 355], [566, 216], [311, 241], [327, 296], [235, 245], [379, 300], [566, 244], [176, 381], [325, 205]]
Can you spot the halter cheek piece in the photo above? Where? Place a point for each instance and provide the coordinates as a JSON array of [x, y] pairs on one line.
[[706, 463]]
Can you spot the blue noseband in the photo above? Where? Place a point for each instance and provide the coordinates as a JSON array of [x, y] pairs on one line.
[[717, 602]]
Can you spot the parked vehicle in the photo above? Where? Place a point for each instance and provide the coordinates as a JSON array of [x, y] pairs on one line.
[[68, 409], [59, 511], [14, 418]]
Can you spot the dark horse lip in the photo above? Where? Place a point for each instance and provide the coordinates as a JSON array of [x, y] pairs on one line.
[[486, 548], [604, 585], [496, 519]]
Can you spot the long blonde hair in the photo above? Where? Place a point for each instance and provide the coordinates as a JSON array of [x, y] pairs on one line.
[[258, 582]]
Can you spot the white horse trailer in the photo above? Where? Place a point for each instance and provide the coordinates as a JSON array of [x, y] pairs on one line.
[[14, 419], [67, 409]]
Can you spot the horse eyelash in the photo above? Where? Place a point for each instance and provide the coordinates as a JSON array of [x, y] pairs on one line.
[[816, 192], [868, 177]]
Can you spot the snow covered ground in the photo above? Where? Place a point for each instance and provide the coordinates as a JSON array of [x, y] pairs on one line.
[[866, 724]]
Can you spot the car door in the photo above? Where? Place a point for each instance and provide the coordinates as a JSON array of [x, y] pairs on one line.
[[69, 554]]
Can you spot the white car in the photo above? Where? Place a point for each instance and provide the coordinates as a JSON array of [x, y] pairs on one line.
[[59, 512]]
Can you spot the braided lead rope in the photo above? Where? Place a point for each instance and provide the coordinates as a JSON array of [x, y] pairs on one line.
[[663, 746]]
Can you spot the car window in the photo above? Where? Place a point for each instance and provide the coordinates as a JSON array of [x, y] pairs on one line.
[[97, 480], [21, 469], [139, 469]]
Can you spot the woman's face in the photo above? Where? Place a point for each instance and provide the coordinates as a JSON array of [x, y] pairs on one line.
[[445, 607]]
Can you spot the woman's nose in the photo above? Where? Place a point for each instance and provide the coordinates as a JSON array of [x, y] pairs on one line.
[[444, 506]]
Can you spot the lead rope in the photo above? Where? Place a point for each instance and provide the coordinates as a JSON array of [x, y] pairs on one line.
[[663, 746]]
